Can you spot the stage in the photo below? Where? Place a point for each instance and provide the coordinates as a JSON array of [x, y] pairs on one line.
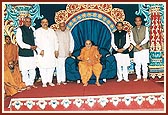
[[109, 97]]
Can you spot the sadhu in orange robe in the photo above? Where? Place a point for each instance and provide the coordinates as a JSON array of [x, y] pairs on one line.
[[90, 62], [12, 79]]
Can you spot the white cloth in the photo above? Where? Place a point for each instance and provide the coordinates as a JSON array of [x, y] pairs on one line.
[[122, 59], [27, 63], [61, 76], [66, 43], [46, 40], [28, 76], [122, 72], [46, 75], [141, 58]]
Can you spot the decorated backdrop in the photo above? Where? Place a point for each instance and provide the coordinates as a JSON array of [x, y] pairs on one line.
[[94, 22]]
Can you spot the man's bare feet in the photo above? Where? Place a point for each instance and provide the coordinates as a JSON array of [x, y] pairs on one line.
[[145, 79], [98, 84], [137, 79], [28, 87], [85, 84], [34, 86], [51, 84]]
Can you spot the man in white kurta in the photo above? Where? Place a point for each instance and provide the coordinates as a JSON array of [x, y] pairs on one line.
[[66, 46], [27, 63], [140, 39], [47, 45], [120, 42]]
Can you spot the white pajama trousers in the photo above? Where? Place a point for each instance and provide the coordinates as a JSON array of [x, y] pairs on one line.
[[46, 75], [27, 67], [141, 58], [28, 76], [61, 76], [122, 72], [123, 61]]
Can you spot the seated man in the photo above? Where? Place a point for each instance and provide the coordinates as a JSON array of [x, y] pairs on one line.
[[12, 76], [90, 62]]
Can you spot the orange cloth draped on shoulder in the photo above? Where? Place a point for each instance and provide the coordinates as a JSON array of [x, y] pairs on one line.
[[13, 80], [90, 62]]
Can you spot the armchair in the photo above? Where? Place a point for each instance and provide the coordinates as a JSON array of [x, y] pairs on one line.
[[107, 60]]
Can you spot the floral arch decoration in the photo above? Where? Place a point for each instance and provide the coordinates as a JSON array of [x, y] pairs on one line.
[[104, 13]]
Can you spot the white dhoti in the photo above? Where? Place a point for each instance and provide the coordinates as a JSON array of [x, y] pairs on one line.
[[61, 77], [123, 61], [141, 58], [27, 67]]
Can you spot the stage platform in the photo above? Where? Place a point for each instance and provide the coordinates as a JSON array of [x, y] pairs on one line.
[[109, 97]]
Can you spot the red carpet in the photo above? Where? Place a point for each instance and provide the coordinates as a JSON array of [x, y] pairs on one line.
[[111, 87]]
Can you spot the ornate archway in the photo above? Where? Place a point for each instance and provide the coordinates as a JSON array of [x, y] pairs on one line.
[[76, 13]]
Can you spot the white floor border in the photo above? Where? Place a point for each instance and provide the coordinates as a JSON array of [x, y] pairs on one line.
[[89, 100]]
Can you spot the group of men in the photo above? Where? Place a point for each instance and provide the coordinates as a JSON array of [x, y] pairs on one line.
[[51, 48], [120, 42], [139, 38], [43, 48]]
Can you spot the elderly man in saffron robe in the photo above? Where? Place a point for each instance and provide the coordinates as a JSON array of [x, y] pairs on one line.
[[12, 76], [90, 62]]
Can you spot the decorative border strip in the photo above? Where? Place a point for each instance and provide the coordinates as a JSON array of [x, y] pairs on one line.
[[17, 104]]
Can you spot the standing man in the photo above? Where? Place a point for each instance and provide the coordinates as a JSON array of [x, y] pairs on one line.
[[27, 64], [65, 49], [140, 40], [47, 45], [120, 43]]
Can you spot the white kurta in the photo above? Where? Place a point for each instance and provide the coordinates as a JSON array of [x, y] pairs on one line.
[[46, 40], [27, 65], [66, 45]]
